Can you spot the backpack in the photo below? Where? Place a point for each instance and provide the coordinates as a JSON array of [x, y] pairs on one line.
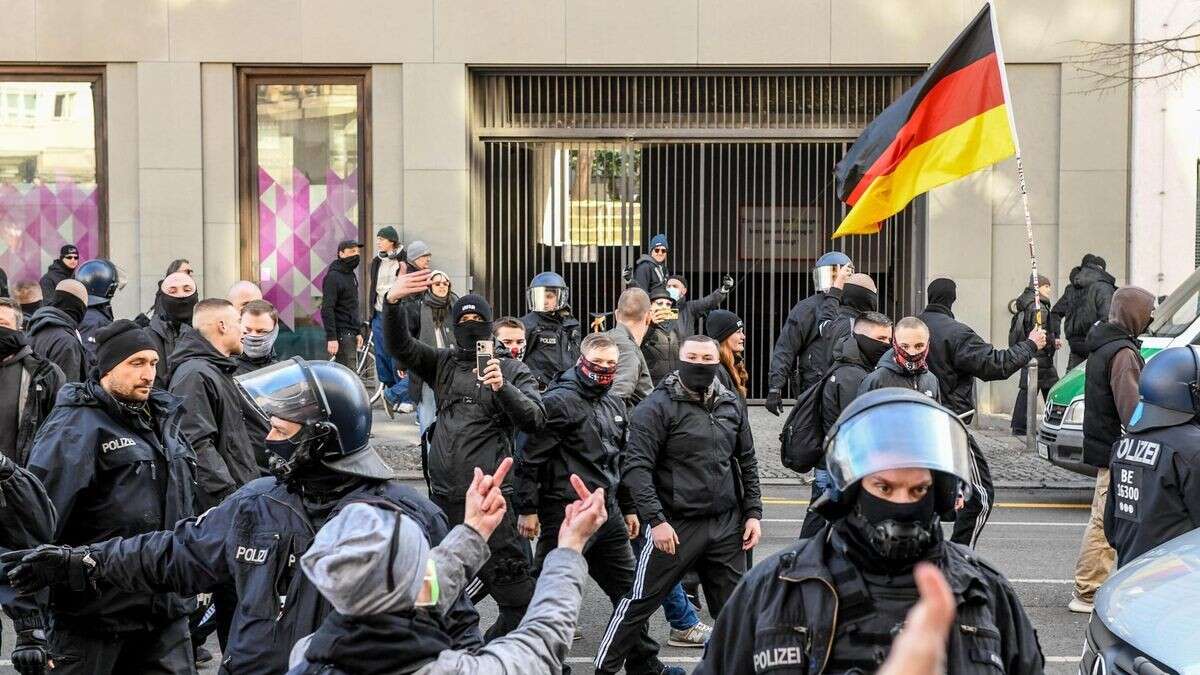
[[802, 441]]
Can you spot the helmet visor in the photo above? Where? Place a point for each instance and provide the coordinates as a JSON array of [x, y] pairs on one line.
[[548, 298], [284, 390], [900, 435], [823, 276]]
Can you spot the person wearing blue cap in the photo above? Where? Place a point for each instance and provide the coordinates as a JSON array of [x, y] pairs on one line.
[[650, 270]]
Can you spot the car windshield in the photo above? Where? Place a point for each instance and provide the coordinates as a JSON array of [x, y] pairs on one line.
[[1178, 311]]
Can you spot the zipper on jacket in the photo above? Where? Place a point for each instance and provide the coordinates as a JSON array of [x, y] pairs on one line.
[[832, 628]]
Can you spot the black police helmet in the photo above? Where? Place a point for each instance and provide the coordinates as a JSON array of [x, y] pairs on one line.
[[1168, 390], [101, 279]]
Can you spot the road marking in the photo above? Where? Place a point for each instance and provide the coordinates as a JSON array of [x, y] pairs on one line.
[[1003, 505], [1021, 523]]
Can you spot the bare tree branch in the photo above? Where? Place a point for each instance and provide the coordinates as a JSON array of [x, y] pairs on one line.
[[1114, 65]]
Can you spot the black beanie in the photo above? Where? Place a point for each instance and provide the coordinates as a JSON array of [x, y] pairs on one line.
[[660, 292], [471, 303], [66, 250], [942, 292], [118, 341], [721, 323]]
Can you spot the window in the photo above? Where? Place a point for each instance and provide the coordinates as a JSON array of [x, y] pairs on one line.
[[51, 159], [304, 188]]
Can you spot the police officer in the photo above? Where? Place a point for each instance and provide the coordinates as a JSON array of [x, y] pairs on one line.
[[1155, 470], [27, 518], [552, 335], [320, 425], [693, 476], [115, 464], [795, 358], [832, 603], [585, 436], [478, 416], [102, 281]]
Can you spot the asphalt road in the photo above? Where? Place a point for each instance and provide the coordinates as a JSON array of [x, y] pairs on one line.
[[1033, 538]]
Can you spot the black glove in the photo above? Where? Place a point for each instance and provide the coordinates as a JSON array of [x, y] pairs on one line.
[[774, 402], [29, 654], [47, 565], [726, 283], [7, 467]]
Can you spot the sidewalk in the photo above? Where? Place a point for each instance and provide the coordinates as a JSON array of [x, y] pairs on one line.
[[1012, 466]]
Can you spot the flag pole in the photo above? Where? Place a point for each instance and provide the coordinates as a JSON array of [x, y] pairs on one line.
[[1031, 388]]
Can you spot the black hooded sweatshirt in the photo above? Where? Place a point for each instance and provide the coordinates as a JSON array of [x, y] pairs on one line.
[[54, 336], [1094, 288], [339, 300], [55, 273], [891, 374]]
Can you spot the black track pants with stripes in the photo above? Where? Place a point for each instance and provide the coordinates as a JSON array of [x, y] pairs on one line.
[[711, 545], [968, 524]]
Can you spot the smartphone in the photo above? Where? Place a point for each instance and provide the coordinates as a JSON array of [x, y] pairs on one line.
[[483, 354]]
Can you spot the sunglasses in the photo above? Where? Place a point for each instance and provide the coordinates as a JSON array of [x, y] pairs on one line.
[[70, 257], [660, 249]]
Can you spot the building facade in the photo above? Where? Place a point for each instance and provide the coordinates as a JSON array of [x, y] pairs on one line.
[[249, 136]]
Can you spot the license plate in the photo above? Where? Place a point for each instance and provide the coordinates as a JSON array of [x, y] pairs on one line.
[[1043, 450]]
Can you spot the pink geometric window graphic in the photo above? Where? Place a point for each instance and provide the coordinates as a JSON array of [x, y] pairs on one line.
[[36, 219], [299, 229]]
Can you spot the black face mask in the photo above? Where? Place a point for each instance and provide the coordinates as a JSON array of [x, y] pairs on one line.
[[871, 348], [69, 304], [350, 261], [178, 310], [31, 307], [860, 298], [897, 534], [11, 341], [697, 377], [284, 449], [467, 333]]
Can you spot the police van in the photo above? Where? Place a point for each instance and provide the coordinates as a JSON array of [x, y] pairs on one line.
[[1060, 434]]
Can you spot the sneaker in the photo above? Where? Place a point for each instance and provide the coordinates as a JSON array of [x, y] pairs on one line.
[[405, 408], [1079, 606], [695, 636], [202, 655], [389, 407]]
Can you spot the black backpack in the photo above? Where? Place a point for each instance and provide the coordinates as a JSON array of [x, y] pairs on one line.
[[802, 441]]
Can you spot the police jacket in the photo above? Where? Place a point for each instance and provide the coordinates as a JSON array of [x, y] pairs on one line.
[[166, 335], [1155, 491], [213, 421], [94, 319], [584, 435], [850, 366], [957, 355], [552, 344], [1094, 288], [784, 614], [27, 520], [647, 273], [111, 472], [339, 301], [475, 426], [42, 381], [253, 541], [54, 337], [56, 272], [1102, 420], [688, 458], [796, 359], [891, 374], [691, 311], [660, 347]]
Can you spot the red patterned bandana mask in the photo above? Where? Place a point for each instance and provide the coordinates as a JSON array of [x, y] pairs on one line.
[[909, 362], [601, 376]]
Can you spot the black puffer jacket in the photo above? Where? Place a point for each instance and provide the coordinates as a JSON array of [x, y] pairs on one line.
[[165, 334], [552, 344], [1094, 288], [213, 419], [850, 367], [1025, 320], [660, 347], [45, 380], [475, 426], [796, 358], [687, 458], [784, 615], [27, 520], [54, 274], [957, 355], [53, 336], [584, 435], [113, 473], [647, 273], [890, 374], [339, 300]]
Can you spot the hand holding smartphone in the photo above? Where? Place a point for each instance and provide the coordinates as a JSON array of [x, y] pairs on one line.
[[483, 354]]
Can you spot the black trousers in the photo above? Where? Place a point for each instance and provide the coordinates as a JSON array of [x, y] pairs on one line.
[[711, 545], [1047, 378], [506, 576], [166, 651], [969, 522], [347, 350], [610, 562]]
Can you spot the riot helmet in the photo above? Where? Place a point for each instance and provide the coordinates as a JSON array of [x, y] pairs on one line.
[[826, 269], [101, 278], [329, 402], [548, 292], [1168, 390]]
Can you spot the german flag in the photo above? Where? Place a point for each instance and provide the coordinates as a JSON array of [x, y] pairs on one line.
[[952, 122]]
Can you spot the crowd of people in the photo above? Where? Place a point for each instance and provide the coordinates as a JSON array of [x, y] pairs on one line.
[[167, 476]]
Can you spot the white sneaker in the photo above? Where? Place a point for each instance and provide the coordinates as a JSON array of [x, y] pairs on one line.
[[695, 636], [1079, 606], [405, 408]]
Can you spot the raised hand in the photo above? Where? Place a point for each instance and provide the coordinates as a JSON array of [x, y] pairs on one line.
[[408, 283], [485, 505], [583, 517]]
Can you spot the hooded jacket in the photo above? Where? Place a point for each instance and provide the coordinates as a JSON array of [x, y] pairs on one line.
[[957, 355], [475, 426], [40, 383], [892, 374], [796, 358], [648, 273], [54, 336], [165, 334], [785, 614], [687, 458], [1094, 288], [112, 473], [213, 420], [252, 542], [339, 300], [56, 272], [552, 344], [1114, 365], [850, 367], [27, 520]]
